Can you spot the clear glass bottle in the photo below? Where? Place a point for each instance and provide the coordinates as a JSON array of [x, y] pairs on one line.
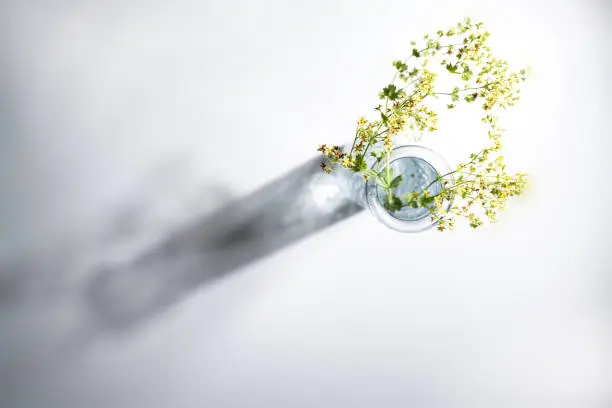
[[420, 166]]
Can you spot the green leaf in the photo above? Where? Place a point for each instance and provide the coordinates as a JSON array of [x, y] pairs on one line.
[[390, 92], [401, 67], [451, 68], [410, 201], [398, 204], [396, 181], [384, 117], [455, 94], [393, 203], [360, 163], [416, 53], [471, 97], [466, 75], [424, 201]]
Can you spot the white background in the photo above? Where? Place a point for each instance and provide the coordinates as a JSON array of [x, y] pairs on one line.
[[172, 109]]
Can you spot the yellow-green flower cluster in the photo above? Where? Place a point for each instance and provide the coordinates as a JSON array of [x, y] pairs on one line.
[[481, 188]]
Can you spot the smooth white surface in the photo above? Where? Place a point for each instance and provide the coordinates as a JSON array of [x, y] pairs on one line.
[[152, 105]]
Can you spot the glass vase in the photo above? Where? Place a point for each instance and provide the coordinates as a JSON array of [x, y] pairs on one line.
[[420, 167]]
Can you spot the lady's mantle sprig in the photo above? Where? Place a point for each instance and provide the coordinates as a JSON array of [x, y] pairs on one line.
[[478, 187]]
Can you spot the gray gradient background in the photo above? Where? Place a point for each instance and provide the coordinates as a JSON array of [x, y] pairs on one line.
[[166, 240]]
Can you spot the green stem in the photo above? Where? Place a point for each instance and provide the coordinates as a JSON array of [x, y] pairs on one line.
[[438, 178], [388, 168], [354, 141], [388, 171], [461, 90], [373, 138]]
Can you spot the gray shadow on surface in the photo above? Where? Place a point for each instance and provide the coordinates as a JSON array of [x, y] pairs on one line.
[[299, 204], [52, 310]]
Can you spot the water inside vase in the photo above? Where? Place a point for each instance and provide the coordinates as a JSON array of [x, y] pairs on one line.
[[418, 174]]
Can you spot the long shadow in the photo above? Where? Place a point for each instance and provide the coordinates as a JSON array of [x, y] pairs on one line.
[[299, 204], [49, 310]]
